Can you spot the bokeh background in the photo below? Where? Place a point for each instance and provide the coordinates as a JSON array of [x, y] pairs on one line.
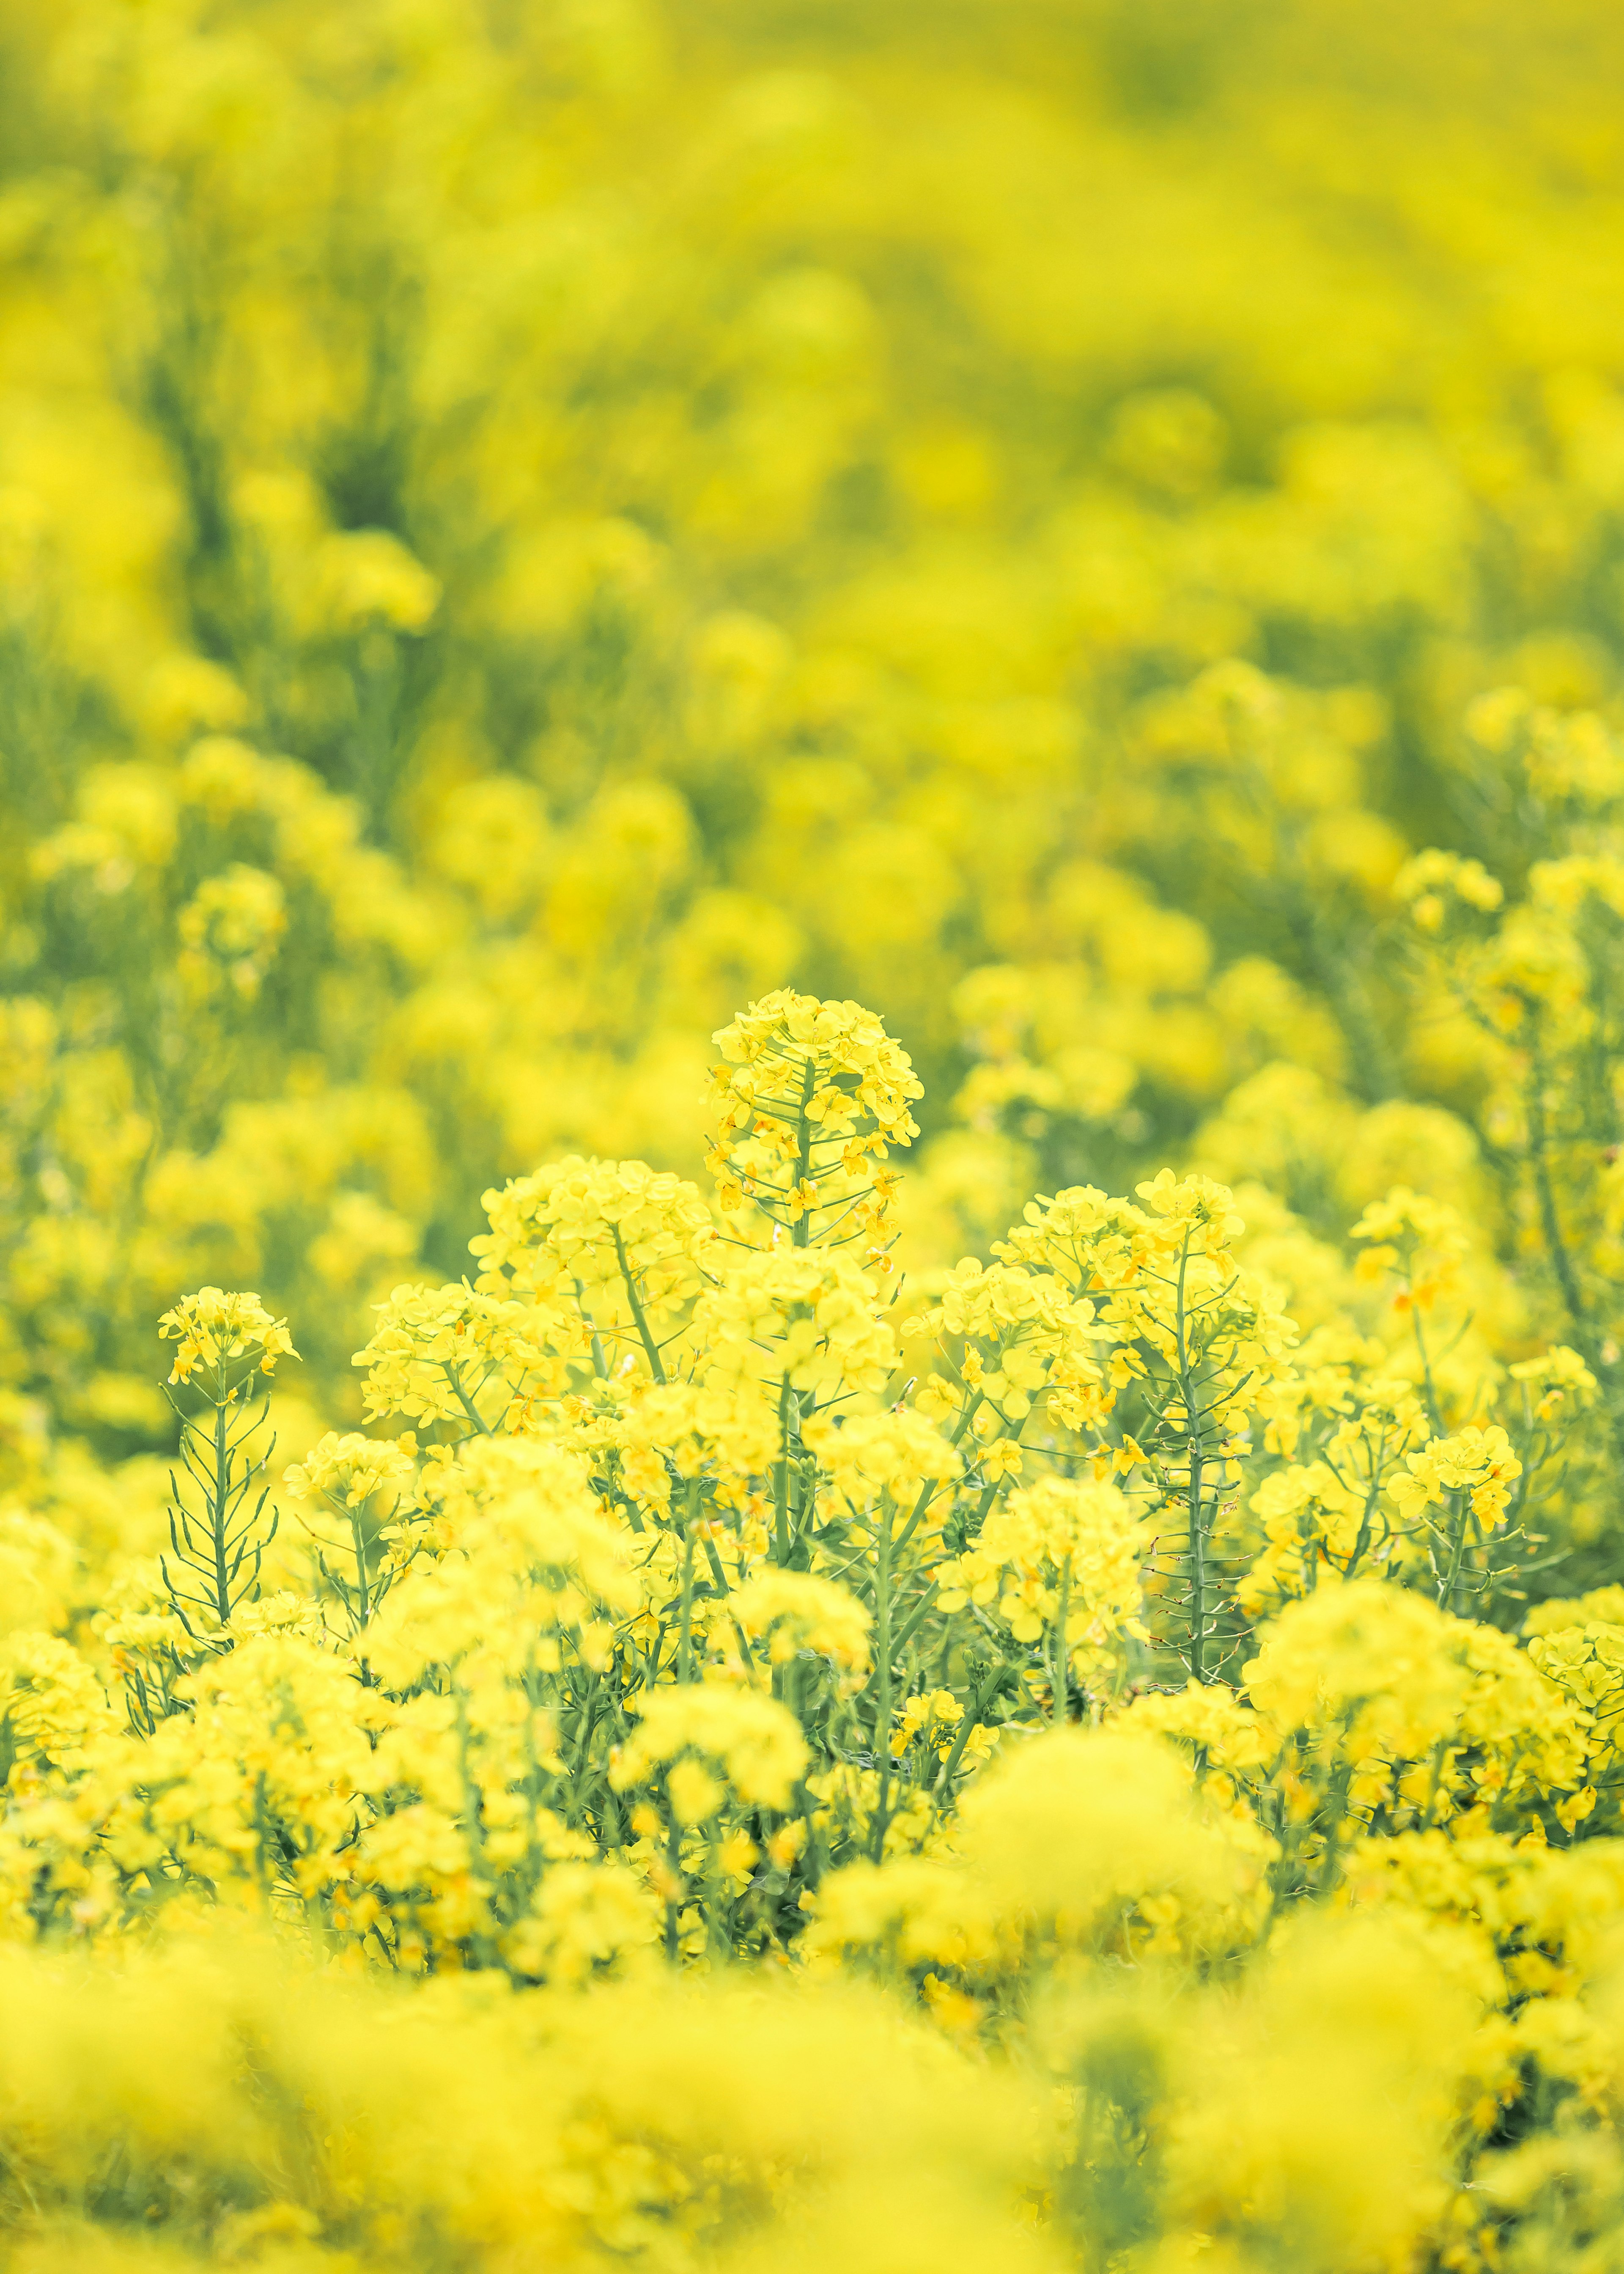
[[523, 526]]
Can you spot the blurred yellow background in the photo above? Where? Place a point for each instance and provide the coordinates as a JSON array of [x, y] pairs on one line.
[[521, 527]]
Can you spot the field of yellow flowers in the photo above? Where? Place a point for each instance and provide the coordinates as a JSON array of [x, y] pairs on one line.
[[811, 1137]]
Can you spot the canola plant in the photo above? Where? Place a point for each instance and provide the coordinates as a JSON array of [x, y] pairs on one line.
[[811, 1138]]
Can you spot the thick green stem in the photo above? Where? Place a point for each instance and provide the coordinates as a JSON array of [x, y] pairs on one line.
[[453, 1376], [1447, 1585]]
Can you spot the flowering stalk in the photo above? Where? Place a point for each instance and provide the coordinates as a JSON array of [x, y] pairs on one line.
[[1189, 1440], [223, 1341]]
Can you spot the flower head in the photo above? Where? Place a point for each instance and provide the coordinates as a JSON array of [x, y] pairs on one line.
[[216, 1330]]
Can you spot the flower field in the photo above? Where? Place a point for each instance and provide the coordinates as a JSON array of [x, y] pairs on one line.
[[811, 1137]]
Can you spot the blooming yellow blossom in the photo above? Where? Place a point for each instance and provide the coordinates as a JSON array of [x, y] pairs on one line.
[[212, 1328]]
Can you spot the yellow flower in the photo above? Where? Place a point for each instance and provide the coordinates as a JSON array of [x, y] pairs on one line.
[[213, 1328], [809, 1093], [232, 926], [1478, 1461], [796, 1611], [709, 1729]]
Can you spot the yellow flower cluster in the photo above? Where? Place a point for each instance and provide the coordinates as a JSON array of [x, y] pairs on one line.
[[216, 1331], [437, 1351], [809, 1093], [634, 1238], [1063, 1557], [808, 1317], [688, 1629], [1124, 1650]]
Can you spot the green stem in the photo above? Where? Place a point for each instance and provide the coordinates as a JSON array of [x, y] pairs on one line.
[[1195, 1457], [1332, 1856], [883, 1675], [800, 1231], [948, 1768], [453, 1376], [1367, 1524], [363, 1579], [651, 1349], [789, 1411], [1556, 1246], [1445, 1591], [600, 1363], [217, 1518], [1059, 1668], [1434, 1410], [685, 1656], [674, 1861]]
